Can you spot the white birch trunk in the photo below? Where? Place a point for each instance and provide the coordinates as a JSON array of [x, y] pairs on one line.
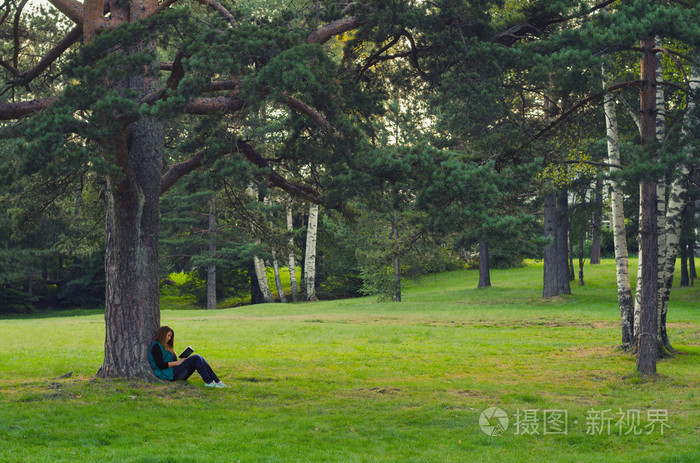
[[211, 269], [310, 254], [261, 275], [640, 258], [624, 291], [660, 192], [278, 280], [677, 201], [292, 264]]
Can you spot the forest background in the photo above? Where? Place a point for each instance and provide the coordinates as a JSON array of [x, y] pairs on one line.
[[359, 141]]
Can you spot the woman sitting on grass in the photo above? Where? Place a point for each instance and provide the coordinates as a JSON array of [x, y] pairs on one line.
[[167, 366]]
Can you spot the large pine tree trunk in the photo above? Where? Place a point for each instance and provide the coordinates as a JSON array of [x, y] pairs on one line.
[[310, 254], [132, 311], [292, 264], [647, 351], [484, 271], [624, 292], [211, 269]]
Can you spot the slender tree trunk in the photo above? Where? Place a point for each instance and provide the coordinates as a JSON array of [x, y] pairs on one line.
[[662, 250], [640, 262], [292, 264], [675, 208], [484, 272], [211, 269], [685, 280], [647, 351], [570, 271], [624, 292], [597, 222], [310, 254], [580, 256], [278, 280], [261, 277], [550, 287], [397, 264], [563, 226]]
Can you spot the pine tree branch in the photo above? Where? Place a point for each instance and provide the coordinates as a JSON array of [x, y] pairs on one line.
[[536, 24], [340, 26], [583, 102], [15, 30], [275, 179], [313, 114], [203, 106], [25, 77], [71, 8], [210, 3], [177, 171], [9, 111]]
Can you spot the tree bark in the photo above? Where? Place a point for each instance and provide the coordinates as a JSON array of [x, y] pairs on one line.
[[563, 226], [132, 310], [597, 222], [211, 269], [580, 256], [484, 271], [397, 264], [292, 264], [647, 351], [675, 208], [310, 254], [624, 291], [261, 277], [550, 287], [278, 280]]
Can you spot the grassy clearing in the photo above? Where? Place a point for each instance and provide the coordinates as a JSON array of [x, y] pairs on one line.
[[358, 380]]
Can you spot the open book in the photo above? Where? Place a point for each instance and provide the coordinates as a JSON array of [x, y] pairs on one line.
[[187, 352]]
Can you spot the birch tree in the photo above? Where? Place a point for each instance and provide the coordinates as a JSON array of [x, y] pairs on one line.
[[310, 254], [624, 291], [292, 264]]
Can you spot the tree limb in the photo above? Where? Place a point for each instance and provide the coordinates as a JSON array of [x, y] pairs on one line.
[[177, 171], [340, 26], [302, 107], [274, 178], [568, 112], [71, 8], [9, 111], [210, 3], [203, 106], [53, 54]]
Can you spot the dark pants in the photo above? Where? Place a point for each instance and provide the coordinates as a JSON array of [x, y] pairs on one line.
[[192, 363]]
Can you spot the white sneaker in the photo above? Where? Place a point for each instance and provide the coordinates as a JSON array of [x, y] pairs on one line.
[[212, 384], [221, 385]]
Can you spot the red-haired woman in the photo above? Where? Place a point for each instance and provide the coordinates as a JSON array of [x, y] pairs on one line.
[[167, 366]]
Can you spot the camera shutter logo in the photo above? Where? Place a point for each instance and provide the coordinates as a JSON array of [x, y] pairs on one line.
[[493, 421]]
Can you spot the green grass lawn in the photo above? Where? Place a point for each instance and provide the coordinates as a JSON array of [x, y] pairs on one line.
[[358, 380]]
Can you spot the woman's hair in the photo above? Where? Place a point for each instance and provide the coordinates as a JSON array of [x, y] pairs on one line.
[[162, 335]]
